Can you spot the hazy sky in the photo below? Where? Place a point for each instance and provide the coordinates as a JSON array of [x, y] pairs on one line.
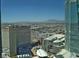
[[32, 10]]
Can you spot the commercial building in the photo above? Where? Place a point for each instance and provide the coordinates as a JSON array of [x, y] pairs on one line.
[[13, 36], [8, 40], [72, 25], [54, 43], [23, 35], [0, 39]]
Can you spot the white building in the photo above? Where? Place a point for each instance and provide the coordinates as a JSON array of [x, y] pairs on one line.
[[54, 43], [41, 53]]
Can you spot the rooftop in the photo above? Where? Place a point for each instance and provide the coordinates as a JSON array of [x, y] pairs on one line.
[[55, 36], [41, 53], [65, 53], [57, 41]]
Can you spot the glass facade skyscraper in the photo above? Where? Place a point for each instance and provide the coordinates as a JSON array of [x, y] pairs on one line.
[[0, 38], [72, 25]]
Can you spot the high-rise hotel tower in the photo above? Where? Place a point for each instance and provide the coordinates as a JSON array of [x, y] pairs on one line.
[[72, 25]]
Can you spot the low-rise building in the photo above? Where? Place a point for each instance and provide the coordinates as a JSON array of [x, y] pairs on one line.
[[54, 43]]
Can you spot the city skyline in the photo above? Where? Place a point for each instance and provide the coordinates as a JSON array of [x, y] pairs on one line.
[[31, 10]]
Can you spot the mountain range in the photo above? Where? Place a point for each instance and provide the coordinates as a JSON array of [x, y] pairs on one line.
[[46, 21]]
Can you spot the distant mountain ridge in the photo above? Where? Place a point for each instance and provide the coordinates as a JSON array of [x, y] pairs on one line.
[[46, 21], [55, 21]]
